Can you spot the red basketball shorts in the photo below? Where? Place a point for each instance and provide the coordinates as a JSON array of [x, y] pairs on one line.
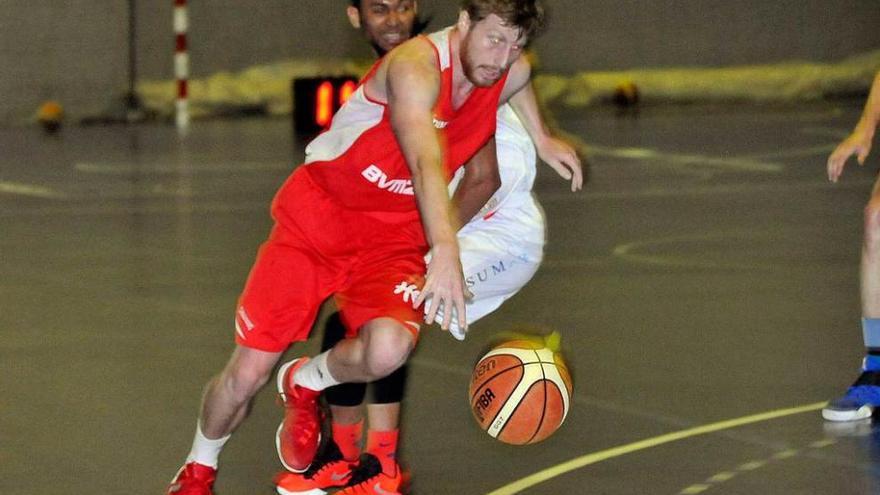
[[372, 264]]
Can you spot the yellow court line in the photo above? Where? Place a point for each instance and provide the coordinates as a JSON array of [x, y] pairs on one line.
[[596, 457]]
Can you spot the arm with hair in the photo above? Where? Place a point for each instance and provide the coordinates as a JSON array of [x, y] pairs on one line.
[[859, 142], [412, 84]]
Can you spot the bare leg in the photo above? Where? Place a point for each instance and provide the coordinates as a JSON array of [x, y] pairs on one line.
[[384, 417], [347, 415], [863, 397], [382, 346], [228, 396], [870, 269]]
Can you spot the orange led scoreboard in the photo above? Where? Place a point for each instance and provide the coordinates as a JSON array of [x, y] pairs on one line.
[[316, 99]]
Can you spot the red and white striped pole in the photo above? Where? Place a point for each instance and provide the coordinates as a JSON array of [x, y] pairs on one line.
[[181, 64]]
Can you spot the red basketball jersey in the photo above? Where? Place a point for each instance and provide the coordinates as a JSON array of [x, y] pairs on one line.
[[358, 161]]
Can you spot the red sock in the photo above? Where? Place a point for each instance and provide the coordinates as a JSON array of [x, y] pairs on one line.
[[383, 445], [348, 438]]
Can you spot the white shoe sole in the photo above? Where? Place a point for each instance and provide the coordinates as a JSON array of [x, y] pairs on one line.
[[863, 412], [314, 491], [282, 371]]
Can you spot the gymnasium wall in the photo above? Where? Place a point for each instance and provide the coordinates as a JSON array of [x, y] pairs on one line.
[[76, 51]]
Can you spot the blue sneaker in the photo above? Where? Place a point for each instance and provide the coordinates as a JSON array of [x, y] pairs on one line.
[[859, 402]]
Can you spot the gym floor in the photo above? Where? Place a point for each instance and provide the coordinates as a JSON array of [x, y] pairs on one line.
[[705, 284]]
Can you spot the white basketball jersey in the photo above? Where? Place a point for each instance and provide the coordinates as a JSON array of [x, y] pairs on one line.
[[517, 176]]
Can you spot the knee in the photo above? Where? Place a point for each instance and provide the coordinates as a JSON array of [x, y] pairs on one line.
[[872, 225], [387, 351]]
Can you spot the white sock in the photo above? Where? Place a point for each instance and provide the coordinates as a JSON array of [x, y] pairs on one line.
[[314, 375], [205, 451]]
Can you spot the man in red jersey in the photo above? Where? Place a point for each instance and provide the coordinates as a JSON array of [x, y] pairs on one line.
[[509, 234], [355, 222]]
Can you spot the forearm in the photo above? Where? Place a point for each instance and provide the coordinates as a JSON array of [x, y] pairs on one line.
[[433, 202], [540, 125], [480, 181], [525, 104], [470, 197], [413, 85]]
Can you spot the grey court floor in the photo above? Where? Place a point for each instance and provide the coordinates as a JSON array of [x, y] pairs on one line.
[[705, 284]]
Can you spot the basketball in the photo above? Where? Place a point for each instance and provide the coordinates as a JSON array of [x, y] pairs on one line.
[[521, 389]]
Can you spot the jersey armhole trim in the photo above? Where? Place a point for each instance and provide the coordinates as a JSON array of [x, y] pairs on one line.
[[369, 76], [436, 51], [379, 62]]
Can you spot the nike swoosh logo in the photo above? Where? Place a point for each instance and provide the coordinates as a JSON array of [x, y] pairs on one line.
[[339, 476], [381, 491]]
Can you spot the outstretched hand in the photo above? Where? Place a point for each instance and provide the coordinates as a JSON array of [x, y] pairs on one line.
[[858, 143], [444, 288], [563, 158]]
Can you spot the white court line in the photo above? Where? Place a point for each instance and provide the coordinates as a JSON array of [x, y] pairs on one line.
[[551, 197], [548, 198], [127, 168], [552, 263], [663, 192], [838, 133], [733, 163], [629, 251], [126, 209], [819, 149], [31, 190]]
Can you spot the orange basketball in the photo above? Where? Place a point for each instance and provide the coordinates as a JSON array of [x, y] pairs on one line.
[[521, 390]]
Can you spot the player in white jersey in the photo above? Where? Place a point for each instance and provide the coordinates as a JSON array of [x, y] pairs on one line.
[[502, 247]]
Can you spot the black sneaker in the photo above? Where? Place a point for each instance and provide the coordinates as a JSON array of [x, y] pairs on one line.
[[328, 470], [367, 478]]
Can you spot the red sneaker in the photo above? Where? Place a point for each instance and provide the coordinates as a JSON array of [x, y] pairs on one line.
[[367, 478], [193, 479], [328, 470], [299, 434]]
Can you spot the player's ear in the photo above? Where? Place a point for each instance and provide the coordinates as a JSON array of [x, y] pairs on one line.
[[354, 16], [464, 22]]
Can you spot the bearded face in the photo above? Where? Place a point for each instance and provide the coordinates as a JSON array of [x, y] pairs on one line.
[[488, 49]]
